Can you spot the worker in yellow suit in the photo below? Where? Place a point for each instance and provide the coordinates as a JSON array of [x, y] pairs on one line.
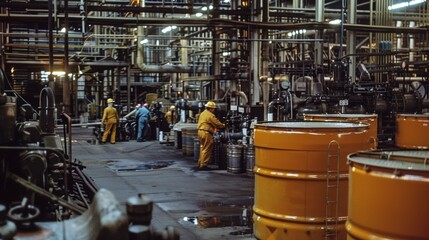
[[207, 125], [110, 119]]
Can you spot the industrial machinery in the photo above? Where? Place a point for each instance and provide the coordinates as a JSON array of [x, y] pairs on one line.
[[37, 175], [43, 192]]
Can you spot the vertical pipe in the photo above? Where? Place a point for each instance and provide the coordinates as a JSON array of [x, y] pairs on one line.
[[215, 50], [320, 17], [184, 57], [351, 38], [398, 36], [128, 89], [371, 10], [265, 58], [412, 24], [66, 86], [254, 52], [51, 39]]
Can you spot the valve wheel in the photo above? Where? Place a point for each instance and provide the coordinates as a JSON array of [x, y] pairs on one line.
[[21, 214]]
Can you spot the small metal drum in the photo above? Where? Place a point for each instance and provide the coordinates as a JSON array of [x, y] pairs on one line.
[[412, 131], [234, 153], [388, 195], [249, 155], [301, 178]]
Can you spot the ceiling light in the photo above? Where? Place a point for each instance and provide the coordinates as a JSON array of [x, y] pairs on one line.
[[144, 41], [405, 4], [335, 21], [199, 14]]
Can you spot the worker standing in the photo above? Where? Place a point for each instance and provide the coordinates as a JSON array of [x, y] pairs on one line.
[[170, 116], [207, 125], [110, 119], [142, 116]]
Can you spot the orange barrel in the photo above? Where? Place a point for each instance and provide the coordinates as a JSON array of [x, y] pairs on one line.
[[412, 131], [296, 178], [370, 119], [388, 195]]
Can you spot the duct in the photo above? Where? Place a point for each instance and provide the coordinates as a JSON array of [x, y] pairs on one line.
[[154, 68], [138, 21], [242, 95]]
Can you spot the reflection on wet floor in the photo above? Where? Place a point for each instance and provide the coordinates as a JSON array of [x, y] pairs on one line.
[[222, 215], [93, 141], [135, 166]]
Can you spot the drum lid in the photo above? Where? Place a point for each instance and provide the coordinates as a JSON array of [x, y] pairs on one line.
[[398, 160]]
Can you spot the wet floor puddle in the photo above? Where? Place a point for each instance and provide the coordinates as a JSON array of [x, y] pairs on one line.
[[133, 166]]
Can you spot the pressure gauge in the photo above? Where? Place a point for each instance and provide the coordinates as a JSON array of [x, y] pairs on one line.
[[285, 84]]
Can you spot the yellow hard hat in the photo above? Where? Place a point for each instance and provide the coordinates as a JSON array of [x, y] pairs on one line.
[[210, 104], [110, 100], [172, 107]]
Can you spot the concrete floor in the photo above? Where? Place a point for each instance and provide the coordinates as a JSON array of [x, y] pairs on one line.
[[199, 204]]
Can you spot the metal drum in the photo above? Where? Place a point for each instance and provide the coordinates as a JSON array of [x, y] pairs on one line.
[[234, 155], [184, 140], [249, 155], [412, 131], [219, 155], [196, 149], [370, 119], [388, 195], [191, 134], [178, 139], [301, 178]]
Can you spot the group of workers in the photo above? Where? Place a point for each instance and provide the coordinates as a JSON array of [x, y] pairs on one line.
[[207, 125]]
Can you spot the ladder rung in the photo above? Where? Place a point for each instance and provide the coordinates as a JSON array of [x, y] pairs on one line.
[[332, 171], [332, 186], [329, 202]]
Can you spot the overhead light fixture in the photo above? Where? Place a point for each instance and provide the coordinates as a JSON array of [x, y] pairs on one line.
[[296, 32], [335, 21], [405, 4], [168, 29], [144, 41], [199, 14]]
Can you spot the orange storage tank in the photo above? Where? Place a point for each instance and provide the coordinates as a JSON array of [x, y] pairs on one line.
[[301, 178], [370, 119], [388, 195], [412, 131]]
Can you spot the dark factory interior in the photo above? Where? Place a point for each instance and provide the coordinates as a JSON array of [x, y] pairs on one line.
[[265, 119]]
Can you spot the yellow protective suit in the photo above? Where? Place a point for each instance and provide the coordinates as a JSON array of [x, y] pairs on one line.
[[207, 125], [110, 118]]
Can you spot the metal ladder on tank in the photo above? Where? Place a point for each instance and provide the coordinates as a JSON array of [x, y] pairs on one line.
[[332, 190]]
